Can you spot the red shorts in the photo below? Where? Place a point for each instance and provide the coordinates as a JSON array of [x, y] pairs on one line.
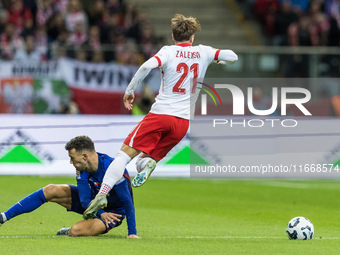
[[157, 134]]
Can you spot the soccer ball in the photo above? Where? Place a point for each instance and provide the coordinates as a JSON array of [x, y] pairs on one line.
[[300, 228]]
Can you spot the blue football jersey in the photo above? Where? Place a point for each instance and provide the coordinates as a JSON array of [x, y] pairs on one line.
[[120, 198]]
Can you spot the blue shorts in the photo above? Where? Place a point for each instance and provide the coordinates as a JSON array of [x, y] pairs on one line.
[[76, 207]]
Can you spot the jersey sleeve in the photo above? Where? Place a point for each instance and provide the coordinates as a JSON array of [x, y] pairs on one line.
[[141, 73], [156, 61], [161, 56], [217, 54], [226, 55], [84, 189]]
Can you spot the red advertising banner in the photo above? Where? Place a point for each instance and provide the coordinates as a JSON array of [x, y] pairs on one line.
[[98, 102]]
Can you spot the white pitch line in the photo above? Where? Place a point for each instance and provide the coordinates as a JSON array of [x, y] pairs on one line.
[[183, 237], [237, 237], [17, 237], [226, 237]]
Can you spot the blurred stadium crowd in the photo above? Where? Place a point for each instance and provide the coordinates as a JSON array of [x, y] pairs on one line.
[[297, 22], [116, 30], [94, 31], [103, 31]]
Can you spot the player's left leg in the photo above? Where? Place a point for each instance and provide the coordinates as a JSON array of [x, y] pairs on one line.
[[92, 227], [145, 165], [54, 193], [113, 175]]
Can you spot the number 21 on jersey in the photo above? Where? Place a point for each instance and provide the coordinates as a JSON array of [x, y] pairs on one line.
[[184, 69]]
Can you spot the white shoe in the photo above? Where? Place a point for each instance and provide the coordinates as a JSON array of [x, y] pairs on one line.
[[144, 174], [99, 202]]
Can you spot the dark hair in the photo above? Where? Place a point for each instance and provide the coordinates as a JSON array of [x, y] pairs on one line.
[[184, 27], [80, 143]]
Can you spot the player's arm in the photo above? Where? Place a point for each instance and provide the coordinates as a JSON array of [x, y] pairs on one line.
[[139, 76], [84, 191], [124, 195], [225, 57]]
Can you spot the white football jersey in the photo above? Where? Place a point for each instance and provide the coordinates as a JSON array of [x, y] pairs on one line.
[[179, 65]]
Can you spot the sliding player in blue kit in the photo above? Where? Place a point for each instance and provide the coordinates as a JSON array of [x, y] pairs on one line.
[[90, 170]]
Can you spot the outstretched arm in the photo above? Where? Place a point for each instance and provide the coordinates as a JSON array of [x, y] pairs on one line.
[[226, 57], [139, 76]]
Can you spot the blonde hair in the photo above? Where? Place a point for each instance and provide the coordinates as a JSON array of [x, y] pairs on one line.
[[184, 27]]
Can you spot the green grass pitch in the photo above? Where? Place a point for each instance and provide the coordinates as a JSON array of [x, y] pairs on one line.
[[185, 216]]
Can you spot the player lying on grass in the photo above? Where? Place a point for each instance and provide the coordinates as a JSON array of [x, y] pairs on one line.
[[168, 120], [90, 170]]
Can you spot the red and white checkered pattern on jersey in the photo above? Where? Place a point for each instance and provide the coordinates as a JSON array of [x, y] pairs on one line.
[[105, 189]]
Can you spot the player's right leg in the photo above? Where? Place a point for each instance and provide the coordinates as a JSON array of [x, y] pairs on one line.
[[26, 205], [157, 135], [173, 130], [60, 194]]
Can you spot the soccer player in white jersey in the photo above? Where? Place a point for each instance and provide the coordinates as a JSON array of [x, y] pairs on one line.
[[168, 120]]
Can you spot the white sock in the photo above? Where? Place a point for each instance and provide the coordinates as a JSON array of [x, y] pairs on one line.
[[4, 218], [141, 163], [114, 172]]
